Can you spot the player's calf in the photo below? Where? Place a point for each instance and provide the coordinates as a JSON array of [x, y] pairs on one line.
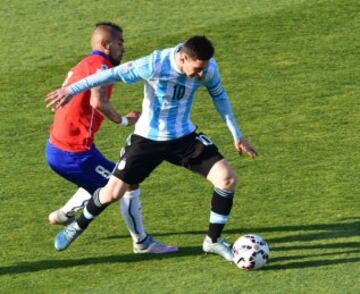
[[114, 190]]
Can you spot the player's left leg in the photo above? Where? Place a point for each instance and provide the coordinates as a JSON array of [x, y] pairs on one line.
[[202, 156], [224, 180]]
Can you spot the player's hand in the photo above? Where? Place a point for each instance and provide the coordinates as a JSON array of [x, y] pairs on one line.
[[242, 146], [57, 98], [133, 117]]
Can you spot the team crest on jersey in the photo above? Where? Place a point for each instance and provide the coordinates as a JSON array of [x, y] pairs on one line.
[[104, 66], [121, 164]]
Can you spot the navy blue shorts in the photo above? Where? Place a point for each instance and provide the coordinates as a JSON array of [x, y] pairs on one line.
[[89, 169]]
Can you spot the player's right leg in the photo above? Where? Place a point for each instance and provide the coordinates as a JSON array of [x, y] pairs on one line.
[[128, 170], [114, 190]]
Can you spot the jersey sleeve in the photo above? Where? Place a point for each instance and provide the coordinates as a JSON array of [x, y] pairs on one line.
[[128, 73], [220, 99], [86, 67]]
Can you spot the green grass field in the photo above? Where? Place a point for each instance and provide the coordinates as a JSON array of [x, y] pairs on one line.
[[291, 69]]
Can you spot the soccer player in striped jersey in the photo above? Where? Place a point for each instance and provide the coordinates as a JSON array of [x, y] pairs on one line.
[[165, 131], [71, 152]]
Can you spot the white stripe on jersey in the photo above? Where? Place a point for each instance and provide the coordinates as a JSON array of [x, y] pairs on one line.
[[168, 94]]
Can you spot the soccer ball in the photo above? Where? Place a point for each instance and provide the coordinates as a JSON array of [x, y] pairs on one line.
[[250, 252]]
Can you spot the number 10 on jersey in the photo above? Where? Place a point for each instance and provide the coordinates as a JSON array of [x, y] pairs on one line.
[[179, 92]]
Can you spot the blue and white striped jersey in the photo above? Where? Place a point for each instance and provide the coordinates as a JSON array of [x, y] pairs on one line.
[[168, 94]]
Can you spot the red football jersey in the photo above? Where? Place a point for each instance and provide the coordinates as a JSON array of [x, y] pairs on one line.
[[76, 123]]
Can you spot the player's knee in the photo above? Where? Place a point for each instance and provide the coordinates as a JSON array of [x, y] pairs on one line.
[[109, 194], [223, 177], [229, 181]]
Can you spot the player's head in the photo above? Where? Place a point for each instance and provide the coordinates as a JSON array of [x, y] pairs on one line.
[[195, 55], [108, 38]]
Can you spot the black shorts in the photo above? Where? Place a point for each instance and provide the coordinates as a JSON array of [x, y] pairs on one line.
[[141, 156]]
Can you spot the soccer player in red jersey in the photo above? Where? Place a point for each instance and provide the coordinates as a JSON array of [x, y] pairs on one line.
[[71, 151]]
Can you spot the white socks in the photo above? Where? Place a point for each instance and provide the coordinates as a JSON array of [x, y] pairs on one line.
[[130, 209], [77, 201]]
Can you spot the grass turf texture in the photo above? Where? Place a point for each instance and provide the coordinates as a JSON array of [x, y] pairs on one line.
[[291, 71]]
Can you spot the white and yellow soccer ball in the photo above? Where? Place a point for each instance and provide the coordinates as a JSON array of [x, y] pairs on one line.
[[250, 252]]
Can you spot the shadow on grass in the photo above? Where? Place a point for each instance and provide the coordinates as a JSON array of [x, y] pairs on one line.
[[310, 263], [35, 266], [301, 234], [304, 256], [325, 233], [337, 230]]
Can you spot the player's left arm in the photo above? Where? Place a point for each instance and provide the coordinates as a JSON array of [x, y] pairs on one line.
[[129, 73], [223, 107], [99, 100]]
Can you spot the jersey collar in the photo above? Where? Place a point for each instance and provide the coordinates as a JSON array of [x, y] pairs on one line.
[[172, 58], [97, 52]]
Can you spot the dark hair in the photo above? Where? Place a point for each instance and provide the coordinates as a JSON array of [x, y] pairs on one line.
[[199, 47], [111, 25]]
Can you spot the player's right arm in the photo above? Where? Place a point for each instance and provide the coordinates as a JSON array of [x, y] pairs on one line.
[[129, 73]]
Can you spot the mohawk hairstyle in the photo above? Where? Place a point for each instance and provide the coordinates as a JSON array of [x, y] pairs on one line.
[[111, 25], [199, 47]]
